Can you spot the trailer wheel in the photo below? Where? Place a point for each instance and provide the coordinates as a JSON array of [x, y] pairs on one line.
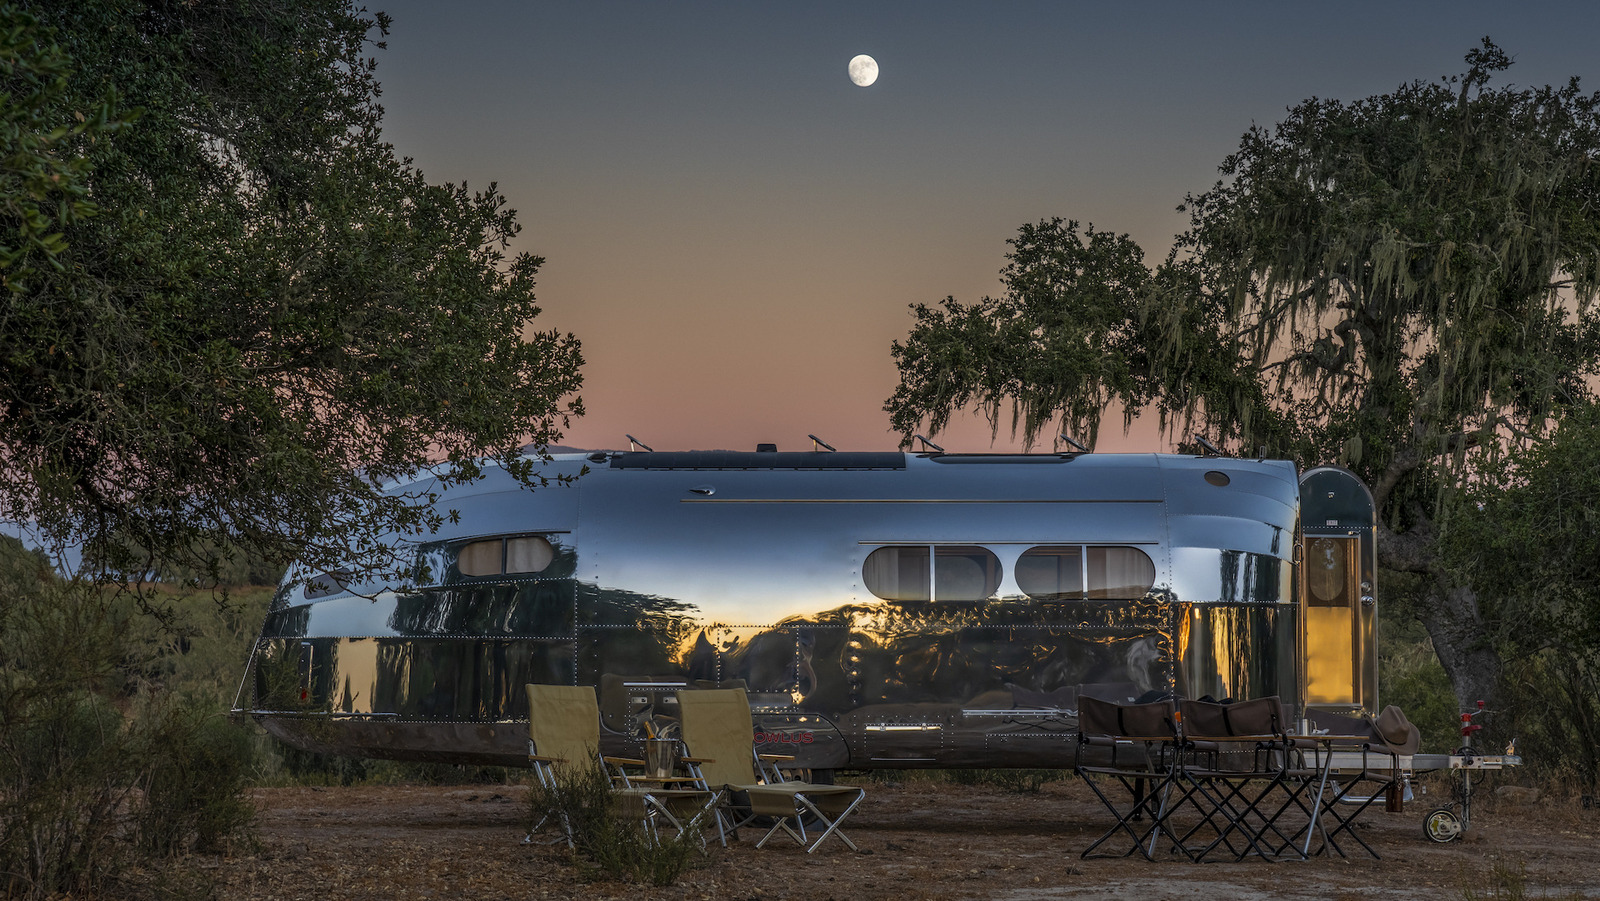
[[1442, 825]]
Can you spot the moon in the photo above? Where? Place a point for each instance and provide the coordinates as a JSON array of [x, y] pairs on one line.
[[863, 70]]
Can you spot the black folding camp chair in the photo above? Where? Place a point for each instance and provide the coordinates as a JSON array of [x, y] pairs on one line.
[[1130, 745], [1236, 774]]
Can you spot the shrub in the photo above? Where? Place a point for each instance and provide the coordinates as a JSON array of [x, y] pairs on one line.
[[196, 777], [97, 775], [606, 840]]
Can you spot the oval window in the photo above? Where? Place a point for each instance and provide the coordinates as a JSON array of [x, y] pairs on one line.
[[521, 555], [1051, 573], [965, 573], [1073, 573], [960, 573], [528, 554], [1327, 572], [481, 558], [1119, 573], [897, 573]]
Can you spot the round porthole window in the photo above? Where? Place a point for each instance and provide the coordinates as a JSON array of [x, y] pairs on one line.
[[1219, 479]]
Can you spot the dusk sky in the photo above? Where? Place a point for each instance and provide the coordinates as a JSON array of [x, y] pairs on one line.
[[735, 231]]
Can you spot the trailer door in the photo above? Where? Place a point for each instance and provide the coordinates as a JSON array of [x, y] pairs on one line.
[[1339, 648]]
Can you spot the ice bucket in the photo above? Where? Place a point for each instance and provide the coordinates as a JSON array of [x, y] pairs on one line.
[[660, 757]]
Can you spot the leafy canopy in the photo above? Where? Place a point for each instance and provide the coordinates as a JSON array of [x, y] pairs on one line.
[[1382, 282], [231, 309]]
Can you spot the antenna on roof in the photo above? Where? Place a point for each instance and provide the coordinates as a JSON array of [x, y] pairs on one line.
[[635, 444], [1069, 439], [818, 442], [927, 444], [1211, 449]]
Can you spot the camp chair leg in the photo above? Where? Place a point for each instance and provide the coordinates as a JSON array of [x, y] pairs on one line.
[[783, 823], [1142, 802], [1308, 795], [714, 808], [528, 839], [1226, 796], [657, 810], [810, 808], [1347, 824], [833, 824], [1211, 803]]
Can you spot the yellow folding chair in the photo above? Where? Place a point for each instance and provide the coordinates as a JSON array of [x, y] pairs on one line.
[[719, 747], [564, 731]]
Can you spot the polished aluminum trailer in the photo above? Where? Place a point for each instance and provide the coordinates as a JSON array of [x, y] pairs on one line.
[[882, 609]]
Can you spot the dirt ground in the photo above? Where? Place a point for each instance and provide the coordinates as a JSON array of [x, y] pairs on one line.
[[919, 840]]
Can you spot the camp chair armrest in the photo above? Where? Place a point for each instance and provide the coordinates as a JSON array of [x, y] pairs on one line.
[[698, 759], [664, 780], [771, 757], [622, 761]]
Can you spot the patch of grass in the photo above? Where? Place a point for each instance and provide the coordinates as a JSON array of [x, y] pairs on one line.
[[1021, 781], [1508, 883]]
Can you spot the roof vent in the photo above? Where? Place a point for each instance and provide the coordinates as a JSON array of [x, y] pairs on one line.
[[766, 448]]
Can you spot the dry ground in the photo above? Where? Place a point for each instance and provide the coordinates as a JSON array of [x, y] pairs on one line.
[[919, 840]]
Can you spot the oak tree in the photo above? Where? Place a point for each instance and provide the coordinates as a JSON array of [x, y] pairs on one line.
[[231, 310]]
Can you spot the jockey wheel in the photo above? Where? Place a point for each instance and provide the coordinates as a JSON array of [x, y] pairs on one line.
[[1442, 825]]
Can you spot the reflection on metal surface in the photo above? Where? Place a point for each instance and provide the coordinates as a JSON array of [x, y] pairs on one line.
[[1242, 651], [875, 614]]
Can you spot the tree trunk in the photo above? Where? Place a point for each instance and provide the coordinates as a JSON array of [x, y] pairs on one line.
[[1452, 617], [1453, 622]]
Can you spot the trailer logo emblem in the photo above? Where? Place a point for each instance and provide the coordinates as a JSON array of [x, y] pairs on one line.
[[792, 738]]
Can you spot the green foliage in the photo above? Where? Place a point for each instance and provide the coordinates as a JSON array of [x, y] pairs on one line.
[[221, 565], [608, 841], [1529, 537], [42, 189], [196, 781], [1063, 339], [1372, 279], [1551, 705], [267, 312], [97, 770]]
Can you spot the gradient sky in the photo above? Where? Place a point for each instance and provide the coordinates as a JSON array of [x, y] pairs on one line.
[[735, 231]]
